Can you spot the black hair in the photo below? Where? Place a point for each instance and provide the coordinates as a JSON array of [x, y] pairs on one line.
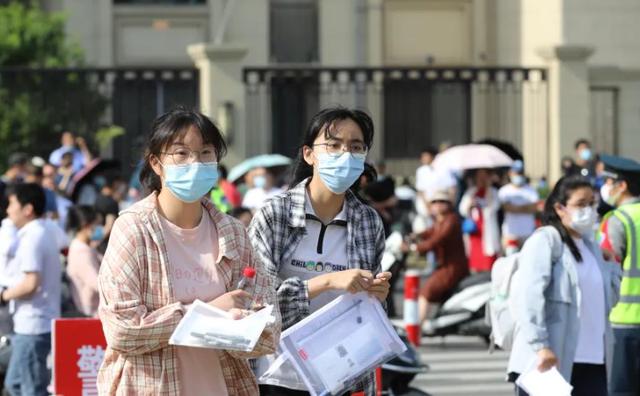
[[324, 121], [634, 187], [80, 216], [170, 127], [239, 211], [429, 150], [633, 183], [29, 194], [18, 159], [560, 194], [580, 142], [222, 171]]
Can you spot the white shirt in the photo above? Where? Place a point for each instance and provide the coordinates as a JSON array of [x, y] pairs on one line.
[[37, 253], [519, 225], [9, 274], [322, 250], [592, 310], [256, 197]]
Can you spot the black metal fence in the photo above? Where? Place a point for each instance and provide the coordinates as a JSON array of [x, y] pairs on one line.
[[39, 104], [413, 107]]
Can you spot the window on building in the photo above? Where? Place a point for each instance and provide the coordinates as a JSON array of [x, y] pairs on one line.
[[294, 31], [604, 119], [419, 113]]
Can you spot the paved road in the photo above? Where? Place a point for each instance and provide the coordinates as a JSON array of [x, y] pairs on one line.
[[462, 366]]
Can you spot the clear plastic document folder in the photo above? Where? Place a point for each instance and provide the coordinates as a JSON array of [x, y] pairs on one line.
[[205, 326], [332, 348]]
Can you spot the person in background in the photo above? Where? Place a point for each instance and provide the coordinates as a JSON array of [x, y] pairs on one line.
[[83, 260], [424, 187], [567, 165], [166, 251], [243, 214], [584, 162], [230, 190], [15, 173], [381, 171], [49, 176], [381, 196], [17, 169], [263, 189], [64, 172], [225, 196], [107, 204], [445, 238], [80, 156], [479, 206], [318, 238], [424, 171], [37, 294], [564, 292], [520, 204], [619, 237], [34, 175]]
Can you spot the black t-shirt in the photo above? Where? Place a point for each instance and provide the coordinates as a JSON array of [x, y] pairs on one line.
[[106, 205]]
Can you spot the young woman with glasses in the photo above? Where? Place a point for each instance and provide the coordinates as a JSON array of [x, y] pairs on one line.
[[166, 251], [318, 238], [564, 292]]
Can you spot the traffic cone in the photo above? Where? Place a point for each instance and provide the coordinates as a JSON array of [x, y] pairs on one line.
[[411, 317]]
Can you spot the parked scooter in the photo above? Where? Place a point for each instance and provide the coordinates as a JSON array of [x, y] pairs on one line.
[[462, 313]]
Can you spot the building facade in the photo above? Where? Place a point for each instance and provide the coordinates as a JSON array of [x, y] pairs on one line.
[[537, 73]]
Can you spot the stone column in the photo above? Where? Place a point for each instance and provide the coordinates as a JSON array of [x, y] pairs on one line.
[[221, 87], [568, 83]]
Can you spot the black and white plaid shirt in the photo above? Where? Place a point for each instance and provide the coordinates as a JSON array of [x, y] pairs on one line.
[[276, 231]]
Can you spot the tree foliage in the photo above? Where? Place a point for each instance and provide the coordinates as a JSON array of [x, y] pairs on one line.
[[39, 103]]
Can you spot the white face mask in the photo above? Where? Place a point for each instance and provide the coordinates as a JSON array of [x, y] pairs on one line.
[[583, 220]]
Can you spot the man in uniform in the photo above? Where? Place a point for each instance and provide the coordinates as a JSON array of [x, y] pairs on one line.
[[620, 236]]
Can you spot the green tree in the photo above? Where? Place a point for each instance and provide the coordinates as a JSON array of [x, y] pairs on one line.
[[39, 102], [32, 37]]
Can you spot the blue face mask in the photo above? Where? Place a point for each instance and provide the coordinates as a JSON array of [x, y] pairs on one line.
[[339, 173], [518, 180], [260, 181], [98, 233], [585, 155], [190, 182]]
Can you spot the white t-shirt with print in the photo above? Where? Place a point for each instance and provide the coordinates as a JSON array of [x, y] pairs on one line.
[[322, 250]]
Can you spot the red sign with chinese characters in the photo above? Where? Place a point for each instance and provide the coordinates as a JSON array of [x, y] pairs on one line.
[[78, 350]]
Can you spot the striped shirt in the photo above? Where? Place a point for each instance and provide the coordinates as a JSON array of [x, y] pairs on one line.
[[139, 310], [276, 231]]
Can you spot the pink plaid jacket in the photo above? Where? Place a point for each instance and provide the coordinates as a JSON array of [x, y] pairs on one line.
[[139, 311]]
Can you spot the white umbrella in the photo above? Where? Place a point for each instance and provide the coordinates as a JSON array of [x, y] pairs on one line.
[[472, 156]]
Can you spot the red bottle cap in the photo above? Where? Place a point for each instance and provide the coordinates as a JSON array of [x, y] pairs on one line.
[[249, 272]]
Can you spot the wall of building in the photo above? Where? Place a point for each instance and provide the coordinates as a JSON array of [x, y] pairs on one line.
[[611, 27]]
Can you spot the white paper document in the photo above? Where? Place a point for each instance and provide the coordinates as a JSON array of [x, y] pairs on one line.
[[205, 326], [548, 383], [337, 344]]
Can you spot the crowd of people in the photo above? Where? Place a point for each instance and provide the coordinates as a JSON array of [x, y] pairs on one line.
[[136, 254]]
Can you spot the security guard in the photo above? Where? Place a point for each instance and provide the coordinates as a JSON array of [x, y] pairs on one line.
[[621, 231]]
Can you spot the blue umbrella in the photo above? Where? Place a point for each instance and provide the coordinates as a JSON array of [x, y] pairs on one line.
[[260, 161]]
